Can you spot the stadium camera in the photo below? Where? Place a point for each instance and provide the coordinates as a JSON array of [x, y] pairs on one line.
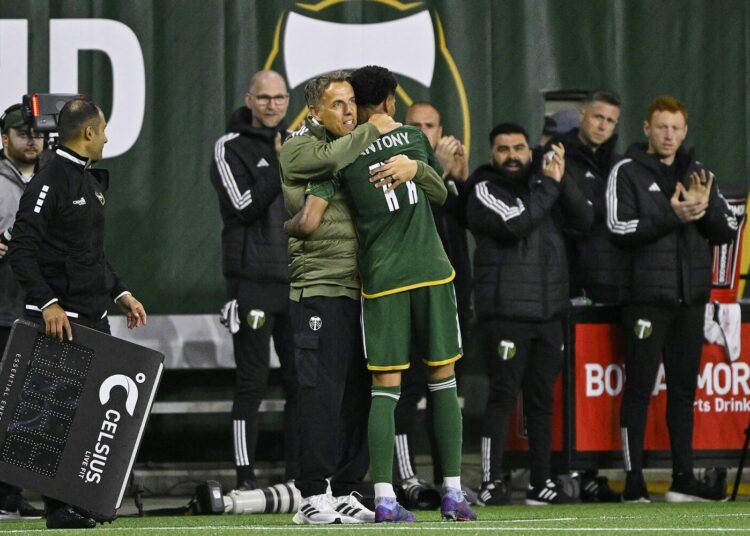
[[40, 110], [280, 498]]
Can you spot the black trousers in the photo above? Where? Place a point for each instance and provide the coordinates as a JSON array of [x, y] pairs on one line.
[[675, 332], [263, 315], [334, 392], [521, 357], [100, 324]]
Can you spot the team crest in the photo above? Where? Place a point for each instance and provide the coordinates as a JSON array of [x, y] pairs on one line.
[[643, 328], [256, 319], [315, 323], [506, 350], [100, 197]]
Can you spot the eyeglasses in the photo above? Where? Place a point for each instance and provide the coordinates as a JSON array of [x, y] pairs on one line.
[[27, 135], [266, 99]]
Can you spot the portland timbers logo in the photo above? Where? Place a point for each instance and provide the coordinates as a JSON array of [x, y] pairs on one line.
[[643, 328], [256, 318], [506, 350], [315, 323]]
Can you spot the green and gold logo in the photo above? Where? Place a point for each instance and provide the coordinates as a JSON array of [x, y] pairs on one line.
[[256, 318], [506, 350], [643, 328]]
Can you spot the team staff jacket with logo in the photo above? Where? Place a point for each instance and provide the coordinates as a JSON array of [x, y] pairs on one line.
[[57, 250], [12, 186], [598, 267], [670, 261], [520, 264], [245, 174]]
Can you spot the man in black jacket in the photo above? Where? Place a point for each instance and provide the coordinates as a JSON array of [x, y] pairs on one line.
[[245, 174], [664, 207], [521, 290], [57, 250]]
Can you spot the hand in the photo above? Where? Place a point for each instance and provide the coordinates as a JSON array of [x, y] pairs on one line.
[[383, 122], [134, 311], [700, 187], [691, 209], [394, 171], [553, 165], [3, 250], [451, 154], [56, 323], [277, 142]]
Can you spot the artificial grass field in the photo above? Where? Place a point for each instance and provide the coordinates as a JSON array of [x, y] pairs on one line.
[[630, 519]]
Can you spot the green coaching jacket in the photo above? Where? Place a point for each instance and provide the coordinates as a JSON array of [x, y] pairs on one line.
[[325, 264]]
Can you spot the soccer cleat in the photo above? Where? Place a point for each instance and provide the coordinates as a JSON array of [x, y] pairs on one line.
[[351, 510], [495, 493], [635, 488], [387, 510], [455, 507], [597, 490], [549, 493], [317, 510], [66, 517], [418, 495], [15, 506], [686, 488]]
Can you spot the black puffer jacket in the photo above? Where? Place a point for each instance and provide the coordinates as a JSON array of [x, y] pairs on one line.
[[671, 261], [245, 174], [520, 265], [598, 267]]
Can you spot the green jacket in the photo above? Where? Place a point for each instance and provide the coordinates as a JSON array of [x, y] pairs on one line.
[[325, 264]]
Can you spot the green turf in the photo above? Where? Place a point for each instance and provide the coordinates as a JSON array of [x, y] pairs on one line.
[[656, 518]]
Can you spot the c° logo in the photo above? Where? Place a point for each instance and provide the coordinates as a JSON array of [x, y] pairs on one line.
[[131, 389]]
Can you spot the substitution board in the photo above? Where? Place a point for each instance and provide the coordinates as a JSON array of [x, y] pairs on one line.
[[72, 414]]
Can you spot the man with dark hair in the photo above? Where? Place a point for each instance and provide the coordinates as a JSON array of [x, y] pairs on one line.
[[521, 291], [324, 302], [57, 250], [664, 207], [409, 305], [18, 163], [598, 268], [245, 175]]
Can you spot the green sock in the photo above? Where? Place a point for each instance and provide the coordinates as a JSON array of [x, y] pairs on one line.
[[382, 432], [448, 424]]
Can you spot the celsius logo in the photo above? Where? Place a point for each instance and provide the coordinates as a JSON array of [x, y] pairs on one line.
[[131, 389]]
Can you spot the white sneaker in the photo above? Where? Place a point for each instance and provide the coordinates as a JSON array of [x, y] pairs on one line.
[[351, 510], [317, 510]]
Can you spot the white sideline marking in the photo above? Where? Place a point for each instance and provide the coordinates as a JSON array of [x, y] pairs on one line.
[[417, 527]]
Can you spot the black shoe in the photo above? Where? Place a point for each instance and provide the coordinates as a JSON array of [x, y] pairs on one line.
[[416, 495], [66, 517], [17, 507], [686, 488], [496, 493], [597, 490], [635, 488], [549, 493], [247, 485]]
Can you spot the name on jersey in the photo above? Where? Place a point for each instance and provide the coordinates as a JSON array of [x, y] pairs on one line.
[[387, 141]]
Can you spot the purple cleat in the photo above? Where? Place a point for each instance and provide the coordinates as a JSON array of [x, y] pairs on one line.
[[455, 507], [389, 511]]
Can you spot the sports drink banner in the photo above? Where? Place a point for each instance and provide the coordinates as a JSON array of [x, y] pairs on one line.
[[168, 73], [72, 414], [722, 402]]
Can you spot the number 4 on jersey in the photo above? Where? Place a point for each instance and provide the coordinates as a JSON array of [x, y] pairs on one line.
[[390, 197]]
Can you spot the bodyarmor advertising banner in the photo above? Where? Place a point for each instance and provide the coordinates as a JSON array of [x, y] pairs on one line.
[[72, 413]]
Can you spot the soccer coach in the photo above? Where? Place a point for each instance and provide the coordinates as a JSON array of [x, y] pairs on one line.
[[57, 250]]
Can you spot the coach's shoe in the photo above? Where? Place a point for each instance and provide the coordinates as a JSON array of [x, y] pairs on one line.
[[317, 510], [66, 517], [549, 493], [635, 488], [455, 507], [686, 488], [387, 510], [15, 506], [597, 490], [495, 493], [415, 494], [351, 510]]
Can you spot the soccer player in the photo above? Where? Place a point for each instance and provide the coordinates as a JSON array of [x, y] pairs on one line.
[[408, 298]]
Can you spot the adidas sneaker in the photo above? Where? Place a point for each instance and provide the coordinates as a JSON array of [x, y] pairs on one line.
[[317, 510], [549, 493]]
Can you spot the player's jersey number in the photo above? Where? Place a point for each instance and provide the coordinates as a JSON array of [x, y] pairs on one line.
[[390, 197]]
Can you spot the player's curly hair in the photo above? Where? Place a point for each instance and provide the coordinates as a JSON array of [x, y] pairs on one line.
[[372, 85]]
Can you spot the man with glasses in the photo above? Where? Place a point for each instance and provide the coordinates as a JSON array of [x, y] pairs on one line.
[[245, 174], [18, 163]]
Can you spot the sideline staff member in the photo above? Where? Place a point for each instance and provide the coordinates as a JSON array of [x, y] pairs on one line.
[[57, 250]]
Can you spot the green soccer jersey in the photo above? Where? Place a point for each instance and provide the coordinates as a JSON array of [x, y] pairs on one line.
[[399, 247]]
